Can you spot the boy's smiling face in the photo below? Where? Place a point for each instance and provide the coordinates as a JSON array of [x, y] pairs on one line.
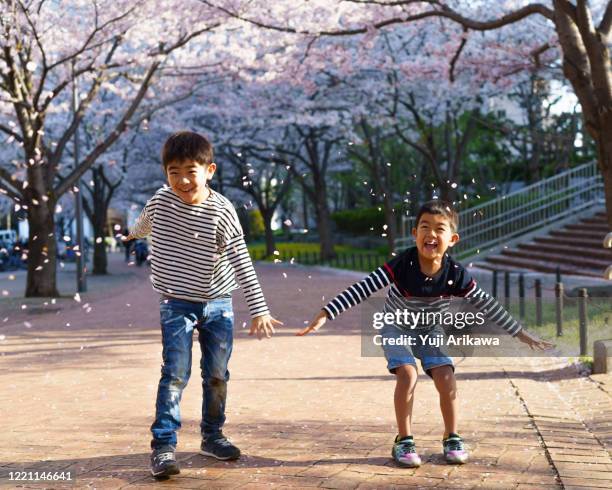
[[433, 235], [188, 180]]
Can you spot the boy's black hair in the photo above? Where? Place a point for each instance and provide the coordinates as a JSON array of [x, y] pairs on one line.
[[438, 206], [186, 146]]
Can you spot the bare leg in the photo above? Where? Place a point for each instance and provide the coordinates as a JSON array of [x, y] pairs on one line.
[[406, 378], [444, 379]]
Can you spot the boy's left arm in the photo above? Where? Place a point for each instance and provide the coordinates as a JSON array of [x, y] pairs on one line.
[[262, 322], [496, 313]]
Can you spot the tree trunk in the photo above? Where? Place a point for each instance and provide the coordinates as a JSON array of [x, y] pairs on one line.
[[586, 64], [326, 239], [305, 208], [390, 221], [267, 219], [447, 193], [100, 214], [42, 251], [604, 160], [100, 260]]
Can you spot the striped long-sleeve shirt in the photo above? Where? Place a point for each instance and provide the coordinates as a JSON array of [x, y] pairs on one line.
[[198, 251], [412, 290]]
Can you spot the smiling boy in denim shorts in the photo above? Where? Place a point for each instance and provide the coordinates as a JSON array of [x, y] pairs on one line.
[[423, 279]]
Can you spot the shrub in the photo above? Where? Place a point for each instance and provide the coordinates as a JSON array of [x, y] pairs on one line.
[[256, 224], [359, 221]]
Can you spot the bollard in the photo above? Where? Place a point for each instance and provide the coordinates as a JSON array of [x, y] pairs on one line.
[[494, 287], [559, 307], [521, 285], [538, 301], [558, 274], [507, 290], [582, 314]]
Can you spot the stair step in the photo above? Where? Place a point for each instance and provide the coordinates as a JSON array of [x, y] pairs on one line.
[[580, 235], [546, 256], [586, 244], [588, 227], [569, 249], [596, 220], [518, 263]]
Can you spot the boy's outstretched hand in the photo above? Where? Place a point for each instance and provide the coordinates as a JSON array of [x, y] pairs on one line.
[[316, 323], [532, 341], [263, 325]]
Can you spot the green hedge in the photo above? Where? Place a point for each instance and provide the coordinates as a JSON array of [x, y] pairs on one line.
[[256, 224], [359, 221]]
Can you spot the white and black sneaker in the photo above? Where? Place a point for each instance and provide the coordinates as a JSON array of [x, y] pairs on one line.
[[163, 462], [219, 447]]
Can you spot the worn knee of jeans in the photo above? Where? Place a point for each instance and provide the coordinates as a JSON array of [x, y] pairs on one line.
[[216, 392], [175, 378], [216, 384]]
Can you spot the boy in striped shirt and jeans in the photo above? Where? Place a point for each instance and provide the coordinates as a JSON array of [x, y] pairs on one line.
[[422, 279], [198, 257]]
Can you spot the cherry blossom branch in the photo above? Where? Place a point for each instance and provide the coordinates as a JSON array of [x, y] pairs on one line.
[[7, 183], [446, 12], [10, 132], [606, 21], [112, 137]]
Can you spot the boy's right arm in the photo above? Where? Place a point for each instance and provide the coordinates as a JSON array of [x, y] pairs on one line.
[[350, 297], [141, 228]]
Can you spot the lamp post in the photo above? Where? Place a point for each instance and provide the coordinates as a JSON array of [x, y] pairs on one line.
[[78, 198]]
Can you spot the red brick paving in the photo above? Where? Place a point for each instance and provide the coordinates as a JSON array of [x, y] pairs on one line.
[[307, 412]]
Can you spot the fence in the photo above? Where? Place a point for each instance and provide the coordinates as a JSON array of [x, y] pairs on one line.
[[495, 222], [357, 261], [562, 303]]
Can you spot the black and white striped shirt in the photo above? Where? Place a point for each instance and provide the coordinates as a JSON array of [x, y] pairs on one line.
[[412, 290], [198, 250]]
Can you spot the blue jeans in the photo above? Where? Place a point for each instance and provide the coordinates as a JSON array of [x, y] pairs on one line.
[[214, 321]]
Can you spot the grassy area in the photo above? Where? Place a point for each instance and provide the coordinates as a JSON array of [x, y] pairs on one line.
[[599, 323], [308, 253]]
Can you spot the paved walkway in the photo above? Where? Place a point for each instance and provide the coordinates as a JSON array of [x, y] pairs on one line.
[[77, 390]]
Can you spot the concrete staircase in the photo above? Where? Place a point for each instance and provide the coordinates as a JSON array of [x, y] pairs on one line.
[[576, 249]]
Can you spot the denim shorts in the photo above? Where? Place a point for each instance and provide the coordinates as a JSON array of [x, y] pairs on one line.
[[398, 352]]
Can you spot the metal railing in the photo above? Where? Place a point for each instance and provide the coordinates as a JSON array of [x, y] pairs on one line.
[[492, 223]]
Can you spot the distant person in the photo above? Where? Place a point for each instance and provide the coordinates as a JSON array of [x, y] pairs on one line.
[[127, 244]]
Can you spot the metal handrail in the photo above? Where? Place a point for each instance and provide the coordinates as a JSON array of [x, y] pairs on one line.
[[491, 223]]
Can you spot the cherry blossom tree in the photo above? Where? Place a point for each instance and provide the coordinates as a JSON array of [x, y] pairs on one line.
[[286, 125], [580, 30], [266, 182], [105, 46]]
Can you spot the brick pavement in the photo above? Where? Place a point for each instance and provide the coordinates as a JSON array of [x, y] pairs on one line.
[[307, 412]]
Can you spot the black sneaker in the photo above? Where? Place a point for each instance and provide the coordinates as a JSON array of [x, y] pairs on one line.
[[163, 462], [219, 447]]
